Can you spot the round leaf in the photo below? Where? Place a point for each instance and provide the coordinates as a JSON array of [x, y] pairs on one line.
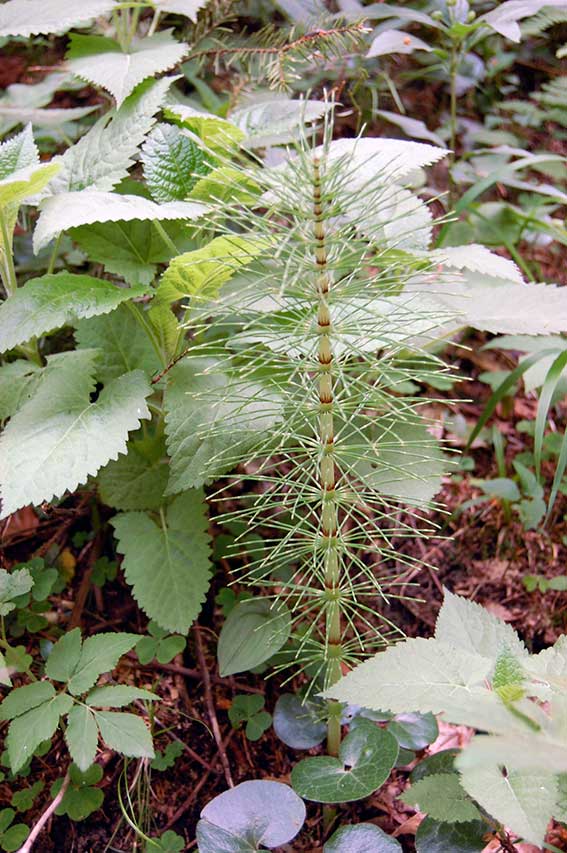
[[414, 731], [435, 837], [267, 813], [254, 631], [365, 760], [364, 838], [297, 723]]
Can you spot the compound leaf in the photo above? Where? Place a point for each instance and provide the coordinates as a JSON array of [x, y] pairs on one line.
[[99, 654], [125, 733]]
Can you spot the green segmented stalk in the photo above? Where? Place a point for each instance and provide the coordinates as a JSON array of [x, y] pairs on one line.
[[327, 465]]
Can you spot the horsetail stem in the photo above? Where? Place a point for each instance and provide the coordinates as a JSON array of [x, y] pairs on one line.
[[327, 465]]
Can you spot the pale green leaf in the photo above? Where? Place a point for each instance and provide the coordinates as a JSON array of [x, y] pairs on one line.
[[211, 420], [20, 185], [172, 163], [68, 210], [216, 133], [59, 437], [64, 656], [522, 801], [110, 696], [504, 17], [478, 259], [33, 17], [99, 654], [4, 672], [18, 380], [12, 584], [412, 127], [189, 8], [270, 119], [124, 344], [18, 152], [136, 481], [23, 699], [470, 627], [168, 563], [47, 303], [442, 797], [102, 158], [125, 733], [27, 731], [101, 60], [254, 631], [550, 666], [372, 159], [396, 41], [81, 736]]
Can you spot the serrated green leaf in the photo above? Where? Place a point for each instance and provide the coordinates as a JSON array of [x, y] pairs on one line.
[[13, 584], [27, 731], [172, 163], [23, 699], [136, 481], [17, 382], [111, 696], [522, 801], [102, 158], [212, 420], [18, 152], [99, 654], [275, 120], [47, 303], [64, 656], [81, 736], [69, 210], [124, 344], [218, 134], [77, 436], [470, 627], [125, 733], [254, 631], [366, 757], [131, 250], [32, 17], [102, 61], [168, 564], [442, 797]]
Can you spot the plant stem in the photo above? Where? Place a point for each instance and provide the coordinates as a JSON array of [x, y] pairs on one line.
[[32, 837], [453, 68], [54, 254], [327, 468], [9, 276]]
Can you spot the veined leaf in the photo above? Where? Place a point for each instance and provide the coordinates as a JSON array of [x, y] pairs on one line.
[[504, 17], [470, 627], [273, 120], [217, 133], [395, 41], [64, 656], [17, 153], [211, 420], [138, 480], [59, 437], [81, 736], [99, 654], [27, 731], [102, 158], [23, 699], [168, 563], [20, 185], [125, 733], [124, 344], [33, 17], [68, 210], [116, 696], [442, 797], [172, 163], [389, 159], [477, 258], [47, 303], [522, 801], [101, 60]]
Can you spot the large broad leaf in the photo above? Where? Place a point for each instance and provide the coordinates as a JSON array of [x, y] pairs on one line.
[[68, 210], [172, 163], [47, 303], [254, 631], [257, 812], [136, 481], [362, 838], [468, 626], [275, 120], [435, 837], [430, 676], [101, 60], [168, 563], [130, 250], [442, 796], [23, 699], [366, 757], [522, 801], [125, 733], [102, 158], [504, 17], [395, 41], [299, 724], [371, 159], [32, 17], [59, 437], [212, 420], [122, 341]]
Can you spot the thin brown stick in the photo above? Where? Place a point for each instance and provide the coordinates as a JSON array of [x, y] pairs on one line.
[[32, 837], [211, 705]]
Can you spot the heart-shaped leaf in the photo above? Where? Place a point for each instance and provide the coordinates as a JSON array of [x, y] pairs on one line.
[[365, 759], [298, 724], [414, 731], [251, 814], [364, 838], [254, 631]]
